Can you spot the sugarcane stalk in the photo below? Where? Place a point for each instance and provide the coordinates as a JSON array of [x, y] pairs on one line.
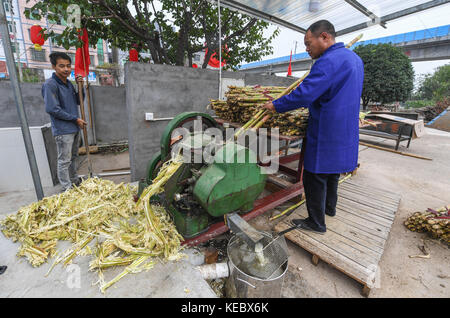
[[262, 121], [129, 269], [255, 118]]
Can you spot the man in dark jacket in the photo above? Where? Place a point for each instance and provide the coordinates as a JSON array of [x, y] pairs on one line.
[[332, 93], [61, 103]]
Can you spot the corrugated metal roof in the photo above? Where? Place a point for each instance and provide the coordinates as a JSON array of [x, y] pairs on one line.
[[339, 12]]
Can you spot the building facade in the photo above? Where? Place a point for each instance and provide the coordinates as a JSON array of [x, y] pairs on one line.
[[34, 59]]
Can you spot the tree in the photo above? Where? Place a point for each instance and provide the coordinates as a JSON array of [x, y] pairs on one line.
[[172, 33], [435, 86], [388, 74]]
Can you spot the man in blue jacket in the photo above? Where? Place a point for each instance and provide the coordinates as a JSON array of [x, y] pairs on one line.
[[61, 103], [332, 93]]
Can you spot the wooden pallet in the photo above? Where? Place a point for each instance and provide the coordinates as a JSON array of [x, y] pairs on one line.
[[355, 237]]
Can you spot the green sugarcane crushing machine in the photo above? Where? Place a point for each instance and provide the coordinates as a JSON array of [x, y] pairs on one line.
[[200, 193]]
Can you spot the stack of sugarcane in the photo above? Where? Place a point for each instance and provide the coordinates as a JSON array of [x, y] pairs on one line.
[[435, 222], [125, 233], [243, 102], [264, 118]]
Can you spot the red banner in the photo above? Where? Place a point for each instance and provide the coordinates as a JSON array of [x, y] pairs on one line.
[[82, 59]]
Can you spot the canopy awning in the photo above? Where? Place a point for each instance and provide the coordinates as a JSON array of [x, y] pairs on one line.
[[346, 15]]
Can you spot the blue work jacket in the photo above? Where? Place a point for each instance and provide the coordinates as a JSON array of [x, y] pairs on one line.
[[61, 103], [332, 93]]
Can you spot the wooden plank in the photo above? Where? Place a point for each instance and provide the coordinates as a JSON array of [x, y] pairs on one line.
[[365, 192], [361, 212], [380, 193], [370, 198], [358, 253], [328, 255], [368, 201], [364, 212], [360, 205], [365, 291], [280, 182], [367, 216], [360, 201], [354, 237], [364, 225], [374, 190]]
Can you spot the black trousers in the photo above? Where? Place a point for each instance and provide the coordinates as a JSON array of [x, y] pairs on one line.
[[321, 197]]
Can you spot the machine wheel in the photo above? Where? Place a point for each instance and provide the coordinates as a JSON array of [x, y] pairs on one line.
[[153, 167], [183, 120]]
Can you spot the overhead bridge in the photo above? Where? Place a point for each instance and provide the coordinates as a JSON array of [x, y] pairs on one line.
[[423, 45]]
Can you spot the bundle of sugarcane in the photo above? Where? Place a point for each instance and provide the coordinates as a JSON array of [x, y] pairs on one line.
[[435, 222], [128, 234], [243, 102], [261, 117]]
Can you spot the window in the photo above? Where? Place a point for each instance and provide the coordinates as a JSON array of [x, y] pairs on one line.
[[38, 55], [101, 59], [10, 26], [92, 58], [13, 47], [100, 56], [32, 14], [6, 6]]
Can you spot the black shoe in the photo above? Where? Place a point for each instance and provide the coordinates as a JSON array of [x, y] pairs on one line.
[[330, 214], [3, 269], [301, 224]]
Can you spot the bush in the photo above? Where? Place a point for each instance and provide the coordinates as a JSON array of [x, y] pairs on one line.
[[436, 86], [419, 103]]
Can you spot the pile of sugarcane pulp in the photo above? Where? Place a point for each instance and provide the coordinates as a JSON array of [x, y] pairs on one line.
[[243, 102], [435, 222], [122, 232]]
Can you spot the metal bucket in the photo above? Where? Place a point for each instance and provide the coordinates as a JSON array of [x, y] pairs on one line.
[[241, 284]]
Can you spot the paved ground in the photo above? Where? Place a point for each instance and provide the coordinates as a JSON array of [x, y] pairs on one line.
[[180, 280], [422, 184]]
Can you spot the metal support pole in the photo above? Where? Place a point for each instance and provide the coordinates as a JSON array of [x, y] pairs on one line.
[[220, 53], [19, 103], [16, 43]]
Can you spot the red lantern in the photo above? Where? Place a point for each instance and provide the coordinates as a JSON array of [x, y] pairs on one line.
[[37, 37], [213, 61], [134, 55]]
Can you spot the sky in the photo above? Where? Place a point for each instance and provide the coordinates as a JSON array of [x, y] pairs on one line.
[[438, 16]]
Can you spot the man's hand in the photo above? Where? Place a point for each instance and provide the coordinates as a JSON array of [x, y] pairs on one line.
[[79, 79], [81, 123], [269, 106]]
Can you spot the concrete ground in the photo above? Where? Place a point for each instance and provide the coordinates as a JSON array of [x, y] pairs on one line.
[[164, 280], [422, 184]]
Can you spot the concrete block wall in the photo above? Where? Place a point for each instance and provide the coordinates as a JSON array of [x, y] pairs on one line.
[[110, 114], [33, 103], [167, 91], [108, 108]]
